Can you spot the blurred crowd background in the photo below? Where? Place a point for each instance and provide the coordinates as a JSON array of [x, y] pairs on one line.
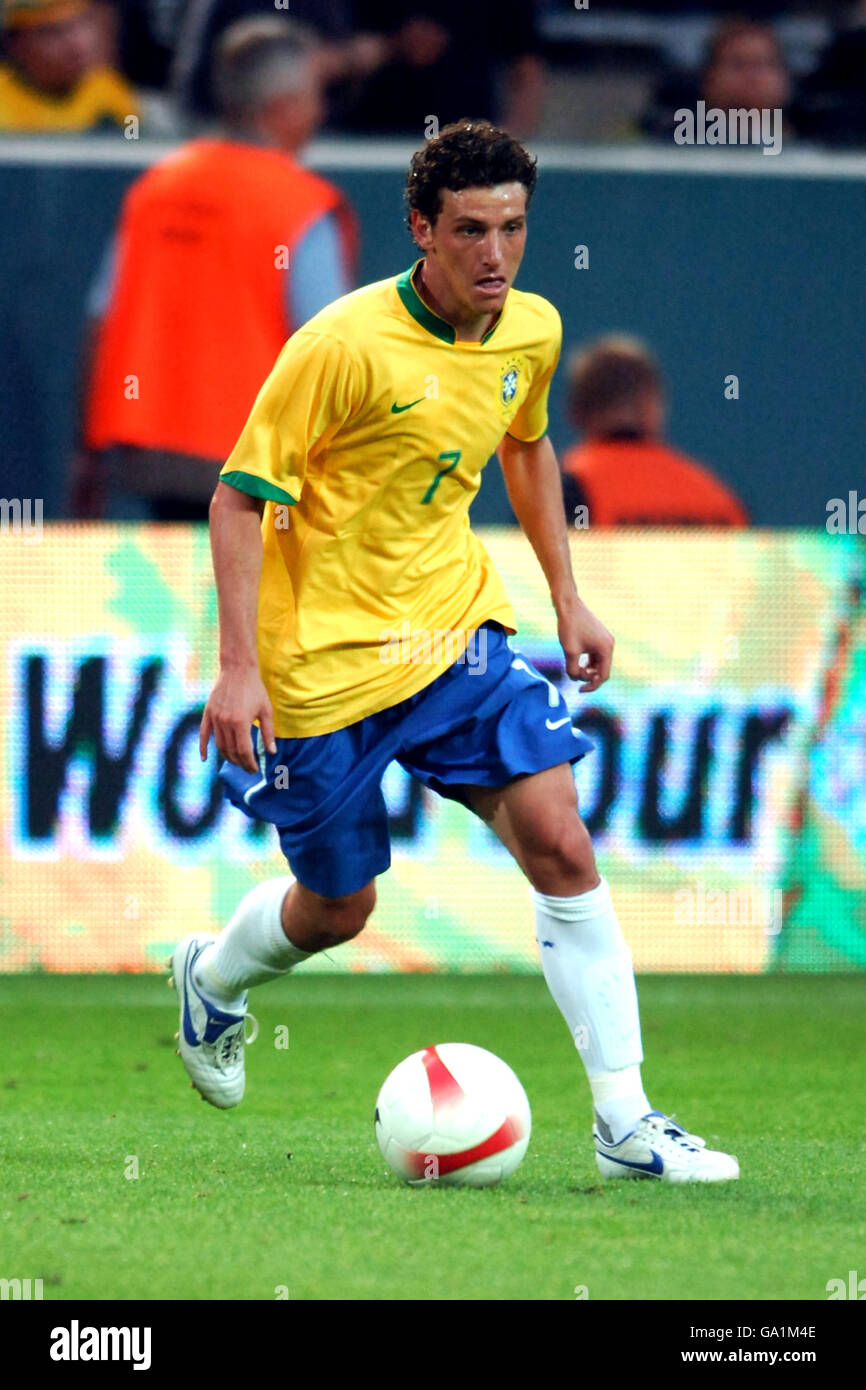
[[188, 296], [551, 69]]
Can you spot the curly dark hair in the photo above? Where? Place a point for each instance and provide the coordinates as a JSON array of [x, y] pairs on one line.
[[467, 154]]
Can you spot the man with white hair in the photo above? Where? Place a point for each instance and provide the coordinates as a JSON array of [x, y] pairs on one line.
[[223, 250]]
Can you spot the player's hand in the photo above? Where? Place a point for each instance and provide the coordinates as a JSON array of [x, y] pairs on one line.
[[582, 635], [238, 698]]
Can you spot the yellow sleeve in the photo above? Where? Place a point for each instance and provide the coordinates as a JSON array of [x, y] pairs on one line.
[[530, 421], [106, 92], [309, 394]]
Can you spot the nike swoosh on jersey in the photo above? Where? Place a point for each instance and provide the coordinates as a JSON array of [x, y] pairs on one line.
[[396, 409], [559, 723]]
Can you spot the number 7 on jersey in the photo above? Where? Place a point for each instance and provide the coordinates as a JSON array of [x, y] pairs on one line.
[[453, 454]]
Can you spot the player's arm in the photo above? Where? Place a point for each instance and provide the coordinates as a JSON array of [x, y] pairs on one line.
[[532, 479], [311, 390], [239, 695]]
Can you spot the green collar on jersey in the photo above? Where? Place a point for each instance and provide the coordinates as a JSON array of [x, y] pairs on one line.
[[412, 301]]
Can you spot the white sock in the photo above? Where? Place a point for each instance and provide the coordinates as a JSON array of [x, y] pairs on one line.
[[251, 949], [588, 969]]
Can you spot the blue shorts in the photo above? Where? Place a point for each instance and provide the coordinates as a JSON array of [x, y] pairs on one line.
[[479, 724]]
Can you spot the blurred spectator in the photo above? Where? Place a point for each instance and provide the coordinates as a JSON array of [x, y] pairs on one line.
[[344, 56], [744, 69], [57, 75], [223, 250], [448, 60], [624, 472], [832, 103]]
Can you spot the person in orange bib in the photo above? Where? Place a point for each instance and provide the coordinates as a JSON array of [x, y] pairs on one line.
[[223, 249], [624, 474]]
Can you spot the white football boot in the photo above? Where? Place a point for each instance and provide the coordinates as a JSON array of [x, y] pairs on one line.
[[210, 1041], [660, 1148]]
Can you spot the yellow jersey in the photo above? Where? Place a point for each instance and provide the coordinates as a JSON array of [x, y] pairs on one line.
[[102, 95], [367, 441]]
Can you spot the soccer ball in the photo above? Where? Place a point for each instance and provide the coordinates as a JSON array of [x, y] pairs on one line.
[[455, 1115]]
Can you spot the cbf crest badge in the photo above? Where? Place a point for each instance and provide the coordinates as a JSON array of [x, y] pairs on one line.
[[508, 385]]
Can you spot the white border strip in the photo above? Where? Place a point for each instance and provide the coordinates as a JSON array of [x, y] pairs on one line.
[[794, 161]]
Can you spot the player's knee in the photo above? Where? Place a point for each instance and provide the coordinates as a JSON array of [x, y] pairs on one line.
[[563, 862], [577, 846], [343, 918]]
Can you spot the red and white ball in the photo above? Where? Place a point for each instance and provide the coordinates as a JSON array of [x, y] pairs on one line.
[[454, 1115]]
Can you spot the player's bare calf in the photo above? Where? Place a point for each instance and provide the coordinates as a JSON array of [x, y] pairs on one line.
[[314, 922]]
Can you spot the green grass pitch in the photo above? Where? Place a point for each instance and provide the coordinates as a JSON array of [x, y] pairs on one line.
[[767, 1067]]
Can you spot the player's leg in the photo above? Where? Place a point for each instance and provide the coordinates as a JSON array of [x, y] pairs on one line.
[[507, 758], [276, 925], [586, 962], [537, 819], [588, 969], [324, 795]]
